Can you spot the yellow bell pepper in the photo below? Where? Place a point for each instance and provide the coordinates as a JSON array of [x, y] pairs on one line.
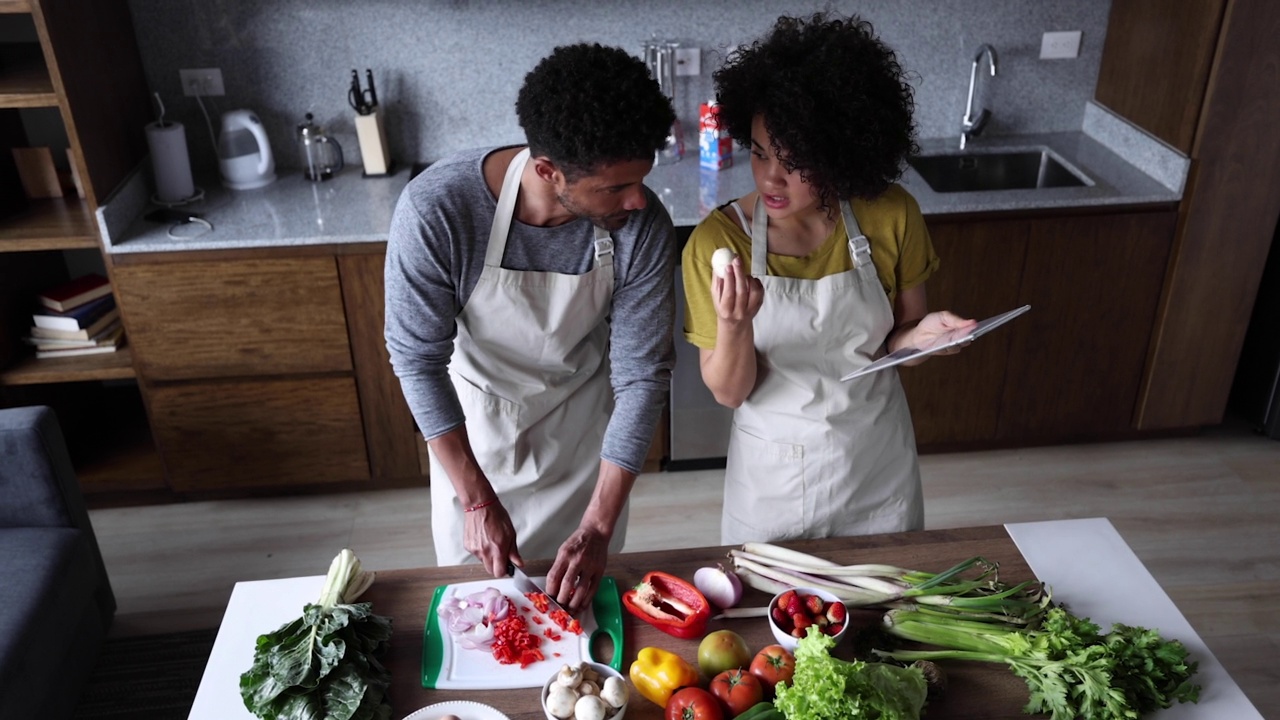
[[657, 674]]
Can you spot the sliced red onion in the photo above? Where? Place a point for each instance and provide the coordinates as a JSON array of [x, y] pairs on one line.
[[722, 588], [471, 619]]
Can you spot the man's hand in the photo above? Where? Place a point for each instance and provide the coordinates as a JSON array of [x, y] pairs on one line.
[[489, 535], [578, 569]]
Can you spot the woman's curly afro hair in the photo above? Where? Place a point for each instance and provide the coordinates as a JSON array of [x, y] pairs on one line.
[[586, 105], [834, 100]]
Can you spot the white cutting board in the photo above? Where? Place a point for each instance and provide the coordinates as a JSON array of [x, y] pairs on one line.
[[447, 665]]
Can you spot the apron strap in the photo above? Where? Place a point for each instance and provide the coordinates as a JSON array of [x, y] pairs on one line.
[[604, 247], [759, 239], [501, 226], [859, 245], [506, 208]]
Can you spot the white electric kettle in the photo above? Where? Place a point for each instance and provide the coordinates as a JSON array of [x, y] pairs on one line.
[[244, 155]]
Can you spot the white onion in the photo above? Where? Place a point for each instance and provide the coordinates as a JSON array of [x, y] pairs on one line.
[[722, 588]]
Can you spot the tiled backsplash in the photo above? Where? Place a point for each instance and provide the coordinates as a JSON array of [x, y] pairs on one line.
[[448, 70]]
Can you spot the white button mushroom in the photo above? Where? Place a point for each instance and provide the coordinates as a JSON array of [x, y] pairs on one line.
[[720, 260], [561, 701], [569, 676], [590, 707], [614, 692]]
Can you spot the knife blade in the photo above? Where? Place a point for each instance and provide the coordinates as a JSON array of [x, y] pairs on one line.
[[525, 585]]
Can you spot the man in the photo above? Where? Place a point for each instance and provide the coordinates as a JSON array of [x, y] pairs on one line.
[[529, 319]]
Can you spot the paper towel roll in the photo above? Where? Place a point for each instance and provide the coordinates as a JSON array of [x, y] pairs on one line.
[[170, 161]]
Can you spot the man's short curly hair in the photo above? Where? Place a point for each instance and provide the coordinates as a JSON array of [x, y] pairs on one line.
[[586, 105], [835, 103]]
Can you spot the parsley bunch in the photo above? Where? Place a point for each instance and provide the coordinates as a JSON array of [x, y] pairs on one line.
[[1071, 668]]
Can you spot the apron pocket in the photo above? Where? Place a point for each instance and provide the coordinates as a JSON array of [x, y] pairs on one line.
[[492, 428], [764, 488]]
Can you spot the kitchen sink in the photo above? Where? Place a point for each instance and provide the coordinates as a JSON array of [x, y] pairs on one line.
[[1014, 170]]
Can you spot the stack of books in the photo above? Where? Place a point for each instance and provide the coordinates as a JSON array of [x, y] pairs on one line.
[[77, 318]]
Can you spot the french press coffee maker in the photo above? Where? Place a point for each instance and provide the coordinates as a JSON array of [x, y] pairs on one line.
[[321, 154]]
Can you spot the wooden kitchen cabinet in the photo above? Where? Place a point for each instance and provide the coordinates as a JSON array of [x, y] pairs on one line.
[[248, 368], [260, 433], [1072, 367], [234, 318]]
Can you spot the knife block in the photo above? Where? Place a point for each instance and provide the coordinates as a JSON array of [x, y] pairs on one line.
[[373, 144]]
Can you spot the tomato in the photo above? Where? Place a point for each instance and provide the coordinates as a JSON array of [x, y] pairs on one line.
[[693, 703], [773, 665], [737, 690], [722, 650]]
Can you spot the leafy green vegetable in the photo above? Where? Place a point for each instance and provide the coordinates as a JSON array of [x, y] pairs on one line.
[[1071, 668], [827, 688], [324, 664]]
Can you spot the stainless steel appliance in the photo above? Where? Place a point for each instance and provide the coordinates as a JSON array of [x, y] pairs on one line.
[[699, 425], [1255, 396]]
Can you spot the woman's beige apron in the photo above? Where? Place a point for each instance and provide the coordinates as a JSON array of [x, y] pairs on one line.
[[531, 368], [810, 456]]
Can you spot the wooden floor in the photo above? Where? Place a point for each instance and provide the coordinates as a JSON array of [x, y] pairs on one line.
[[1200, 512]]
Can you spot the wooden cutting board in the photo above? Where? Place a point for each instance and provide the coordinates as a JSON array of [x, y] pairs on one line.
[[447, 665]]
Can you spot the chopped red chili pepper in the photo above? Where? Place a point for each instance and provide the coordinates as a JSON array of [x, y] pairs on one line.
[[513, 643], [551, 635]]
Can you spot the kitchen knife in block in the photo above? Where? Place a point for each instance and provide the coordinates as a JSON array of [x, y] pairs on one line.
[[373, 144], [447, 665]]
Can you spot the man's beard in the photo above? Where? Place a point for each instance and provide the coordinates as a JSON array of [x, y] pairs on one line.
[[606, 222]]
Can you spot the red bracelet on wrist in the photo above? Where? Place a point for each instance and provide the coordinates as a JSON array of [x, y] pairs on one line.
[[482, 505]]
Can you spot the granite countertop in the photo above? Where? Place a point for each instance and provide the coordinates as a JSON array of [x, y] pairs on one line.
[[292, 210], [1124, 166]]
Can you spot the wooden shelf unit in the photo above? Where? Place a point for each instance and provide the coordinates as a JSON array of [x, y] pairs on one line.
[[73, 65], [50, 224], [107, 366]]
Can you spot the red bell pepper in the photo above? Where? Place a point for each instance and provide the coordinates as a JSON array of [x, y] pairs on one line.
[[670, 604]]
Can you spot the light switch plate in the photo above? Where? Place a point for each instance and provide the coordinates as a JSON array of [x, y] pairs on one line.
[[1060, 45], [201, 81], [688, 61]]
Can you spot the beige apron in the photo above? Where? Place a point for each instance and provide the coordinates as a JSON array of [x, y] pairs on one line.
[[530, 365], [810, 456]]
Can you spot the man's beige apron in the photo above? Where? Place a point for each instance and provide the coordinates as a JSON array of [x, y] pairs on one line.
[[810, 456], [531, 368]]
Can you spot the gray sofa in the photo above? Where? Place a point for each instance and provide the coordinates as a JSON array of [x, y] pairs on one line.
[[56, 602]]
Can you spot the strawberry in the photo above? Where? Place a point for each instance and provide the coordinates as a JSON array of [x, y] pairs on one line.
[[797, 633], [821, 620], [833, 629], [813, 604], [794, 606], [836, 612], [781, 617], [784, 600], [801, 621]]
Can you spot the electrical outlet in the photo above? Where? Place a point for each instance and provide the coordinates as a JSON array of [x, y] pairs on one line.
[[688, 61], [1060, 45], [202, 81]]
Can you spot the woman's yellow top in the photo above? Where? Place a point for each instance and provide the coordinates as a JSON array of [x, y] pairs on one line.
[[900, 248]]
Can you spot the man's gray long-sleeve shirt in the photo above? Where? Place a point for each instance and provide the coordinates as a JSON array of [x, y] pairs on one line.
[[435, 254]]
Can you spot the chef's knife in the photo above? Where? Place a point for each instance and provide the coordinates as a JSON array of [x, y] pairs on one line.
[[525, 585], [373, 93]]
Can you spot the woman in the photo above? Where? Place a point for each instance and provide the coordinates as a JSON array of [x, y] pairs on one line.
[[831, 262]]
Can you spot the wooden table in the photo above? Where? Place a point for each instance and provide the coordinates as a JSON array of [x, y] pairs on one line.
[[1088, 562]]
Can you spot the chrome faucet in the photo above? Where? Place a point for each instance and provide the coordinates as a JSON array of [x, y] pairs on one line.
[[972, 126]]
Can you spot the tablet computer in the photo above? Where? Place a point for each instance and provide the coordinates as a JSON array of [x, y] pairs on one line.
[[942, 342]]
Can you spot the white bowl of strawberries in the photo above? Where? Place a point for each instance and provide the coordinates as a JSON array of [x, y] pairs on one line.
[[791, 612]]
